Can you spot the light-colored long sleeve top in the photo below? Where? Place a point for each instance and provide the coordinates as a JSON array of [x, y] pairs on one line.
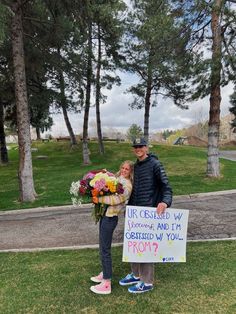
[[117, 202]]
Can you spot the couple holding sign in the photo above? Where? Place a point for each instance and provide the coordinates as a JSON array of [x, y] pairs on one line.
[[146, 185]]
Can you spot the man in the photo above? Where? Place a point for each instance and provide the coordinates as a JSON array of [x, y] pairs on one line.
[[151, 189]]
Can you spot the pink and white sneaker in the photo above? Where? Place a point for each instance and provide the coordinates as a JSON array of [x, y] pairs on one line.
[[103, 288], [98, 278]]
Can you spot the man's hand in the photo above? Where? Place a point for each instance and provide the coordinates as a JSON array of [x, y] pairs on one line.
[[161, 208]]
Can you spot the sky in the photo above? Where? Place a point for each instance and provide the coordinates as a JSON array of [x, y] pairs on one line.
[[117, 117]]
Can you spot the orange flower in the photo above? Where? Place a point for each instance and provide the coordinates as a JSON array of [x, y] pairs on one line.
[[95, 192]]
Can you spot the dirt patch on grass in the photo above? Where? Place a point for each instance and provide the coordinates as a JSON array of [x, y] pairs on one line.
[[196, 141], [228, 143]]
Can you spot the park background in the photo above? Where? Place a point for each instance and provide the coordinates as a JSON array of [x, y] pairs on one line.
[[61, 56]]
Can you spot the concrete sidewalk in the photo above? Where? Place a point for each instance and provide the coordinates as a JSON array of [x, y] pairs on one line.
[[228, 154], [212, 216]]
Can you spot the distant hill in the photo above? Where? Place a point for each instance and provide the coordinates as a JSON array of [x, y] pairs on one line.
[[195, 141], [197, 134], [200, 129]]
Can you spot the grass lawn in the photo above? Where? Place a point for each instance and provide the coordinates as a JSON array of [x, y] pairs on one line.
[[58, 282], [185, 166]]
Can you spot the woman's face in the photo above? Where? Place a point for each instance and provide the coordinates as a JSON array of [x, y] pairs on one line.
[[125, 170]]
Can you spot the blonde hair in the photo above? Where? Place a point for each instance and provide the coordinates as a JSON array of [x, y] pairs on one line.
[[131, 165]]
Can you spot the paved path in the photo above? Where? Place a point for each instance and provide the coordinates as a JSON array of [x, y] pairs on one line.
[[228, 154], [212, 216]]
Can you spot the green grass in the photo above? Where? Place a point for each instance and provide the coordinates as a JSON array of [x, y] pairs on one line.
[[58, 282], [185, 166]]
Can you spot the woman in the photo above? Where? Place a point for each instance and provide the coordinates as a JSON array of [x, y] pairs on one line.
[[108, 223]]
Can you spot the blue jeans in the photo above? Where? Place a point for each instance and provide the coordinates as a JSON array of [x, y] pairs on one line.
[[106, 229]]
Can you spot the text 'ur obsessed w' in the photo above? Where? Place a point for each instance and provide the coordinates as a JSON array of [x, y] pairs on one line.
[[150, 237]]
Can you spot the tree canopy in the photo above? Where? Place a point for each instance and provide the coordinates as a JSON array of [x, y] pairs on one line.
[[62, 55]]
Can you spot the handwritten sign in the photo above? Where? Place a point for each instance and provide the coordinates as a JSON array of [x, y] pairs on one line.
[[149, 237]]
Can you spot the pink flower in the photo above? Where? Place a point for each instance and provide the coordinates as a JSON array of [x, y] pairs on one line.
[[100, 184], [110, 174], [89, 175]]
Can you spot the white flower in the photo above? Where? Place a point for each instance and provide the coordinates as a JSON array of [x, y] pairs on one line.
[[74, 189], [76, 202]]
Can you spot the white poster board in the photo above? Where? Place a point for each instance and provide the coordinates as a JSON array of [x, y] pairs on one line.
[[149, 237]]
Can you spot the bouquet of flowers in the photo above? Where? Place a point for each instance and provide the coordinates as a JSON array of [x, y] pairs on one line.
[[96, 183]]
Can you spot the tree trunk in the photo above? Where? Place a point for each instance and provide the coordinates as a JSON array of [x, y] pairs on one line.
[[98, 94], [86, 152], [26, 183], [147, 103], [38, 134], [213, 166], [3, 146], [64, 107], [68, 125]]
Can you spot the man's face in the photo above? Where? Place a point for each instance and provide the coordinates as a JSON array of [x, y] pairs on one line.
[[141, 152]]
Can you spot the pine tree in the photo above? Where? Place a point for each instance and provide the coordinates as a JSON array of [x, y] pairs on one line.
[[156, 52], [213, 25], [89, 76], [232, 109], [135, 131], [55, 32], [26, 183], [107, 31]]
